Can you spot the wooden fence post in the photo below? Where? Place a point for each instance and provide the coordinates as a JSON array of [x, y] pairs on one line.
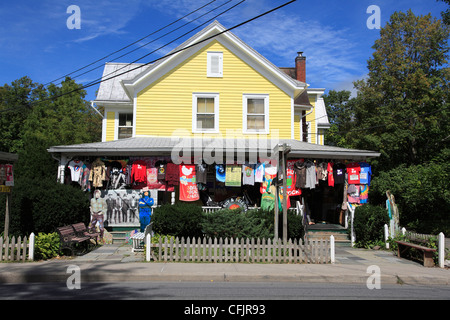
[[386, 236], [441, 249], [332, 250], [148, 248]]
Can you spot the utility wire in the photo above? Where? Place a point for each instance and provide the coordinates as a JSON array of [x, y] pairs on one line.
[[130, 63], [158, 59], [127, 46]]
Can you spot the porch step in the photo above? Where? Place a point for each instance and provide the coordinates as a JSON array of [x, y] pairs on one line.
[[118, 237], [324, 231]]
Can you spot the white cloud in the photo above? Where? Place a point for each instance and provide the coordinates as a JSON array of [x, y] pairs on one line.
[[332, 55]]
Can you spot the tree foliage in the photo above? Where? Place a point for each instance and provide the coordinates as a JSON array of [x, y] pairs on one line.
[[403, 105], [401, 109], [33, 118]]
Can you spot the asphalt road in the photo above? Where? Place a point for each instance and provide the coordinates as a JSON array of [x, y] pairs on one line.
[[196, 291]]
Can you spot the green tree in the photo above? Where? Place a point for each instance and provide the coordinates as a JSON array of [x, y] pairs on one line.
[[33, 118], [446, 14], [15, 99], [402, 107], [340, 114]]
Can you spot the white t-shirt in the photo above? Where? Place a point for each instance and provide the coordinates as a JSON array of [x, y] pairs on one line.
[[248, 174], [76, 167]]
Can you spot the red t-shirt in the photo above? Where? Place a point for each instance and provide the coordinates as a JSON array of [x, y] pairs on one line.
[[353, 170], [330, 174], [139, 171]]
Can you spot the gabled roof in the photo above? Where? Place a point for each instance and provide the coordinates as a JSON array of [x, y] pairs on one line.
[[214, 31], [111, 90]]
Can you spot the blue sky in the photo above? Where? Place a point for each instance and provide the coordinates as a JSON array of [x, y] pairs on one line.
[[36, 42]]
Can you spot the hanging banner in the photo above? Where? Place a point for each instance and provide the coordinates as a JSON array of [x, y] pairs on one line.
[[6, 175], [290, 179], [188, 184]]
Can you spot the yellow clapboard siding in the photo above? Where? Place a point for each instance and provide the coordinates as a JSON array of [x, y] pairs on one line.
[[166, 105], [110, 125]]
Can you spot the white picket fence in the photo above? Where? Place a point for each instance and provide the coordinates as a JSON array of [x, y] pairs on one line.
[[241, 250], [12, 249]]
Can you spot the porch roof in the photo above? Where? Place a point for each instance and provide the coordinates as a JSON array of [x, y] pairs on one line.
[[147, 146]]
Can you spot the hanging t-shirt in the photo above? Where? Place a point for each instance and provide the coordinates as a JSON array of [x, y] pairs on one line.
[[248, 174], [233, 175], [339, 173], [310, 175], [220, 173], [300, 174], [201, 173], [364, 193], [188, 184], [161, 167], [259, 172], [290, 183], [353, 170], [75, 167], [139, 171], [268, 200], [353, 193], [172, 174], [365, 174], [152, 179], [269, 174], [330, 174]]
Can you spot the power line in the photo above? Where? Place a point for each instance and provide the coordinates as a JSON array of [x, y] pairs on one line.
[[158, 59], [130, 63], [127, 46]]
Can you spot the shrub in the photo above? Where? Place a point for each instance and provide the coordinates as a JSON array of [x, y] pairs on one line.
[[369, 224], [180, 220], [43, 205], [228, 223], [422, 194], [46, 246]]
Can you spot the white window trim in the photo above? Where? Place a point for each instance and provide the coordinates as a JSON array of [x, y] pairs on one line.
[[195, 96], [209, 56], [116, 124], [245, 97]]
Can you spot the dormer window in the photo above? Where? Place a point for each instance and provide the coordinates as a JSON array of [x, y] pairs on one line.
[[214, 63]]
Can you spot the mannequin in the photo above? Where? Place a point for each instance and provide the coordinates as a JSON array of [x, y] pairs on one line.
[[145, 210]]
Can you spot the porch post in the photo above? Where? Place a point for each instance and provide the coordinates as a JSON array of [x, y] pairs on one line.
[[61, 168], [283, 166]]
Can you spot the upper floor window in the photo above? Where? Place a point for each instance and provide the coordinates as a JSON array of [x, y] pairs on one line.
[[256, 113], [205, 112], [214, 63], [125, 127]]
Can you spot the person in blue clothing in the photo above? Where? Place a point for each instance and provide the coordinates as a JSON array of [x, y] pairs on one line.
[[145, 210]]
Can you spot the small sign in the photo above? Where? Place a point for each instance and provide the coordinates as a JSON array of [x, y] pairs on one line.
[[5, 189]]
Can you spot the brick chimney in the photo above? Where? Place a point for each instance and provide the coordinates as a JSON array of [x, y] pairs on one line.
[[300, 67]]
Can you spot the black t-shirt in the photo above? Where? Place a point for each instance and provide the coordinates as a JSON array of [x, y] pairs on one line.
[[339, 173]]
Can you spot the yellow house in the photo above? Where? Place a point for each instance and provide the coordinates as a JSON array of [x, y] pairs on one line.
[[211, 101], [211, 84]]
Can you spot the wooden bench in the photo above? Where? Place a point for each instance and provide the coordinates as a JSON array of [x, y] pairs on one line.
[[82, 231], [427, 252], [68, 239]]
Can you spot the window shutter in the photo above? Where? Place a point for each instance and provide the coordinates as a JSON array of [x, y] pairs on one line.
[[214, 64]]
